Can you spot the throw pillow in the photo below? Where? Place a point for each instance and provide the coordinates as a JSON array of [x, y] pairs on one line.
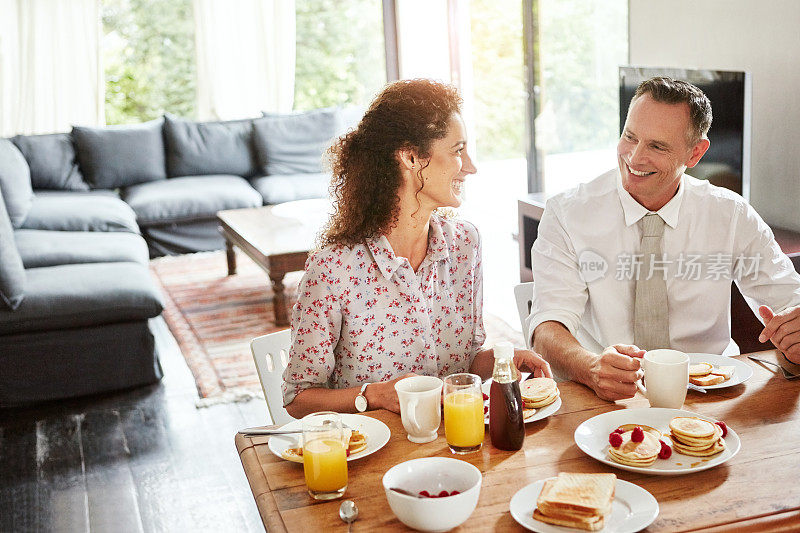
[[52, 161], [12, 273], [118, 156], [15, 180], [206, 148], [294, 143]]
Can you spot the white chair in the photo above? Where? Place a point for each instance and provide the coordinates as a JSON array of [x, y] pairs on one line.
[[271, 355], [523, 293]]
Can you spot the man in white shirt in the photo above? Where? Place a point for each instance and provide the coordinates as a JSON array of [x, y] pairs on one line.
[[591, 277]]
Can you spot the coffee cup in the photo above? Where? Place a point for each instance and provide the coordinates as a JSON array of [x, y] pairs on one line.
[[420, 406], [666, 374]]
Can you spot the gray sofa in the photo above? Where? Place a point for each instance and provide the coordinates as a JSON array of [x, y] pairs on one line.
[[82, 213]]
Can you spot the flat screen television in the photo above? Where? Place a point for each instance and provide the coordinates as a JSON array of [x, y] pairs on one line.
[[727, 161]]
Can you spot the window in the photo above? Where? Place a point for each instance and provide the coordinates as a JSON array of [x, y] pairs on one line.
[[148, 57], [578, 47], [340, 52]]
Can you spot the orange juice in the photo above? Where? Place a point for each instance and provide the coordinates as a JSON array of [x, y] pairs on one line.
[[463, 419], [325, 465]]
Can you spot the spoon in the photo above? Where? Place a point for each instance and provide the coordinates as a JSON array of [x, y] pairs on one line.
[[406, 492], [348, 512]]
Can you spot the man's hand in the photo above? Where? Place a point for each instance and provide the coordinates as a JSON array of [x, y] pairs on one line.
[[783, 330], [614, 373], [526, 360], [381, 395]]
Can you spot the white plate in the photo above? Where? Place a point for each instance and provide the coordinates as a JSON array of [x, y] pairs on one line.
[[542, 412], [377, 434], [633, 509], [592, 438], [742, 373]]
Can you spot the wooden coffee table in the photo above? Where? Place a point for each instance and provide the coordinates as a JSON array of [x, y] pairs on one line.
[[276, 237]]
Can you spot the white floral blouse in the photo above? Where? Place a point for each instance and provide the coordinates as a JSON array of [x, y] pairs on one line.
[[364, 315]]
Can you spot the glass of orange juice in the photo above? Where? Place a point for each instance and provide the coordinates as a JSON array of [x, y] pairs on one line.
[[463, 413], [324, 455]]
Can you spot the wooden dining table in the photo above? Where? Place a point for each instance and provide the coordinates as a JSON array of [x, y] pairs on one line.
[[756, 490]]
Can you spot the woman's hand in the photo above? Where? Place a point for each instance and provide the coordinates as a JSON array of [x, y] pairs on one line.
[[529, 361], [381, 395]]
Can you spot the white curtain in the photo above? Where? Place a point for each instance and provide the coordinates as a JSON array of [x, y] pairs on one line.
[[245, 57], [50, 75]]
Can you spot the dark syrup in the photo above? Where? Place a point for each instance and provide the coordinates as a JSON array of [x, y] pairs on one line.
[[506, 425]]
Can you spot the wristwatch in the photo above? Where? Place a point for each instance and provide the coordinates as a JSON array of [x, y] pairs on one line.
[[361, 399]]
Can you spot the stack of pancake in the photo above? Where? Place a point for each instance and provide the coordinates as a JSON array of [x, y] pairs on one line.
[[576, 500], [538, 392], [695, 436], [356, 442], [704, 374], [638, 454]]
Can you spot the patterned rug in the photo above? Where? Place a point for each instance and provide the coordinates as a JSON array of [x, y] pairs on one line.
[[214, 316]]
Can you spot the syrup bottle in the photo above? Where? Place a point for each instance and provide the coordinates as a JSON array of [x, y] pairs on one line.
[[506, 424]]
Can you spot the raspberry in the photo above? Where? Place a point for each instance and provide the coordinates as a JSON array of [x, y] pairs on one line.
[[347, 452], [485, 396], [443, 494], [723, 426], [637, 435], [665, 452], [615, 439], [425, 493], [453, 493], [619, 430]]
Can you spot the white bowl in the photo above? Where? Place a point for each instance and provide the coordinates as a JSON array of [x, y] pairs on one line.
[[433, 474]]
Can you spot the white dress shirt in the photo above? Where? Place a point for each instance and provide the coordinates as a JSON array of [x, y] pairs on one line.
[[585, 262]]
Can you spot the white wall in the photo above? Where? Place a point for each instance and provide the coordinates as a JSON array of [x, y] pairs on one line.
[[759, 37]]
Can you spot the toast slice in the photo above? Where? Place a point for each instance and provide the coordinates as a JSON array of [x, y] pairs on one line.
[[594, 524], [705, 381], [573, 493]]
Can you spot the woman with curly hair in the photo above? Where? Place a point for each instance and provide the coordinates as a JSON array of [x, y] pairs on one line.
[[395, 288]]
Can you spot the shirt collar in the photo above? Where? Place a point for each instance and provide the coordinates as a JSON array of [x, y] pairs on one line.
[[634, 211], [388, 262]]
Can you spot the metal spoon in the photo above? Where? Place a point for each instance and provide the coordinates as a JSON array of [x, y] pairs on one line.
[[406, 492], [348, 512]]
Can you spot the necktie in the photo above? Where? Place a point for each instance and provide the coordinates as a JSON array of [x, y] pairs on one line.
[[651, 321]]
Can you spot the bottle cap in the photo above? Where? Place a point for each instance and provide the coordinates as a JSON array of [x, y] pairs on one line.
[[504, 350]]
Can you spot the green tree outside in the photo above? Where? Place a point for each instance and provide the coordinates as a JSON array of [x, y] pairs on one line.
[[148, 59], [340, 53]]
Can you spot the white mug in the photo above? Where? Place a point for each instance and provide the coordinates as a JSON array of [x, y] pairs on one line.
[[667, 375], [420, 406]]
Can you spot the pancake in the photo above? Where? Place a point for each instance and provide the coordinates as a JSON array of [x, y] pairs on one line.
[[629, 427], [541, 403], [698, 442], [527, 413], [535, 390], [633, 453], [692, 427], [357, 443], [724, 371], [716, 448]]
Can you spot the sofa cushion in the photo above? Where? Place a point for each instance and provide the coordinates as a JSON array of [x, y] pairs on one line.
[[294, 143], [12, 272], [52, 161], [205, 148], [15, 181], [117, 156], [39, 248], [71, 296], [277, 189], [80, 211], [189, 198]]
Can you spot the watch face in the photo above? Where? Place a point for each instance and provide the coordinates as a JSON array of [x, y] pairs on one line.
[[361, 403]]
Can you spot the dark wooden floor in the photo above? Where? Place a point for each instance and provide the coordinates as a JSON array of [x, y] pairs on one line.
[[140, 460]]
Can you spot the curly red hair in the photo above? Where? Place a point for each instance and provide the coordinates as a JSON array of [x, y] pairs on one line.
[[407, 114]]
